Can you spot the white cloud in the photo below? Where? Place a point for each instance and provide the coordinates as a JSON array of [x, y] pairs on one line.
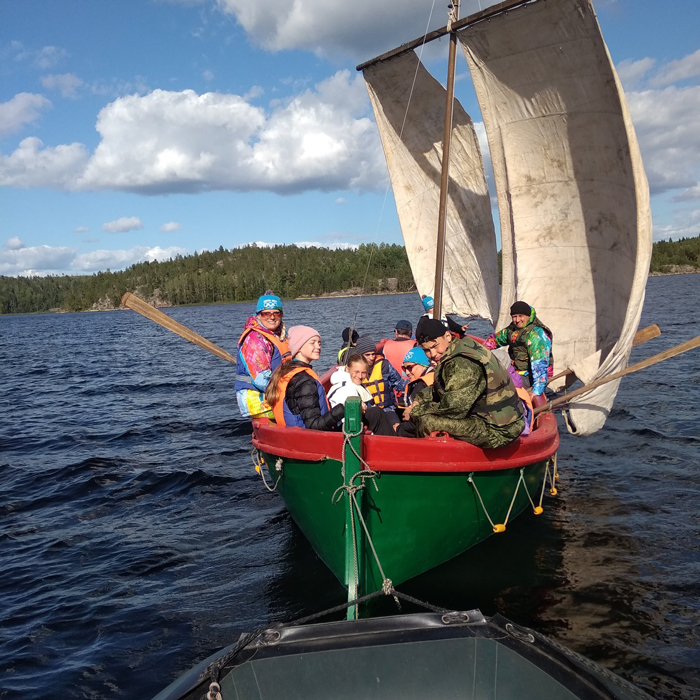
[[116, 87], [688, 195], [23, 108], [14, 243], [49, 56], [81, 229], [185, 142], [208, 75], [118, 259], [31, 260], [254, 92], [170, 227], [332, 246], [18, 259], [337, 245], [632, 73], [336, 28], [675, 71], [43, 58], [685, 225], [666, 125], [30, 165], [122, 225], [341, 200], [66, 83]]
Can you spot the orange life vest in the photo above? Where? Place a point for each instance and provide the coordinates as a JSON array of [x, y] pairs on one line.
[[428, 377], [375, 383], [281, 345], [395, 351], [278, 409], [280, 352]]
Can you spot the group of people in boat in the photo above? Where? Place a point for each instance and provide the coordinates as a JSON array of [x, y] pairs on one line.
[[440, 381]]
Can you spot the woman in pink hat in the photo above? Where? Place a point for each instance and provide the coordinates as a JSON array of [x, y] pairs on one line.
[[295, 392]]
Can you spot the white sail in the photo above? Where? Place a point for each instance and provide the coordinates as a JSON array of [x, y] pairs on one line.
[[409, 105], [572, 192]]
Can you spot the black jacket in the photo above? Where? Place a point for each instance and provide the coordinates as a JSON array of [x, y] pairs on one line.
[[302, 399]]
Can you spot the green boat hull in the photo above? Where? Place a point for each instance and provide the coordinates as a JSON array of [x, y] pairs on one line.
[[414, 521]]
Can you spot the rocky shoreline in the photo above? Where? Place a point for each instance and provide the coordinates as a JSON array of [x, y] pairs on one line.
[[676, 270]]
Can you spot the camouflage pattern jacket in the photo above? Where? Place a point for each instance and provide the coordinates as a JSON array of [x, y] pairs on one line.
[[473, 398]]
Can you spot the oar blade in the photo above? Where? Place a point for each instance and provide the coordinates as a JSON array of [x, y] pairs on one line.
[[133, 302]]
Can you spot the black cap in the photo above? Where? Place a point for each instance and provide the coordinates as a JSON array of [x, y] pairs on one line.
[[520, 307], [429, 329], [404, 326], [346, 335]]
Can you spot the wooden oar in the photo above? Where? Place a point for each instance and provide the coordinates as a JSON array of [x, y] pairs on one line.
[[654, 359], [135, 304], [640, 337]]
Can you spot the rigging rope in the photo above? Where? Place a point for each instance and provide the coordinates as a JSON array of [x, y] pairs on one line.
[[536, 509], [388, 187], [213, 671]]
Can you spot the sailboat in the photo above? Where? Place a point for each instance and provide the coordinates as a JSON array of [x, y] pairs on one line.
[[576, 243]]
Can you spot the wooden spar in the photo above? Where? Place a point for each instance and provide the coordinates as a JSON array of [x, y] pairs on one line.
[[654, 359], [488, 13], [444, 179], [641, 336], [150, 312]]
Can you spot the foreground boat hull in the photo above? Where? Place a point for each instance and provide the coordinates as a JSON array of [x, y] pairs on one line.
[[422, 656]]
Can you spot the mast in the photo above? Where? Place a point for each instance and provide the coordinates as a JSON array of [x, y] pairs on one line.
[[446, 139], [481, 16]]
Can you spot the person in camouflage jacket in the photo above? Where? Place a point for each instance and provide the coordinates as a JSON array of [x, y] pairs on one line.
[[472, 398]]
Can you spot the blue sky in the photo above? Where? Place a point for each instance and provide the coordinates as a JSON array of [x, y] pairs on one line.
[[139, 129]]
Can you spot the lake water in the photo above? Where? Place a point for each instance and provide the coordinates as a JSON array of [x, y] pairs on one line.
[[136, 538]]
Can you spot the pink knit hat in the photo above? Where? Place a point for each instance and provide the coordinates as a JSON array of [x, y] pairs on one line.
[[297, 336]]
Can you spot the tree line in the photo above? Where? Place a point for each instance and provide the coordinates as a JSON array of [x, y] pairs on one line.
[[220, 276], [242, 274]]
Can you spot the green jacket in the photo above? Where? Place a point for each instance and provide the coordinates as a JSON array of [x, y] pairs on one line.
[[473, 398]]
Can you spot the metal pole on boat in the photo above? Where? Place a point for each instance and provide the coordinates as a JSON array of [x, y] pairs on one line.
[[354, 559], [446, 139]]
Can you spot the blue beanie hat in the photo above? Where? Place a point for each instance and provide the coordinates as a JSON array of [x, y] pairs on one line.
[[416, 356], [428, 302], [269, 302]]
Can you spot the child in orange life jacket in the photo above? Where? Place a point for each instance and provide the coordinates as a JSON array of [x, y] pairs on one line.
[[295, 393], [382, 378]]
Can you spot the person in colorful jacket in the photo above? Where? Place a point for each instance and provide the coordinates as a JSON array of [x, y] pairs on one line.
[[382, 378], [529, 344], [472, 397], [261, 349], [295, 392]]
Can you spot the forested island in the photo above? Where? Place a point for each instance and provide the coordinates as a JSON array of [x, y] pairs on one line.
[[242, 274], [220, 276]]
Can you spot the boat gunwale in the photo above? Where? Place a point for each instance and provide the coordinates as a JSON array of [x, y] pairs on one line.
[[429, 455]]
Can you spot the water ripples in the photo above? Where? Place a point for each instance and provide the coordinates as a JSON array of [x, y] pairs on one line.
[[137, 538]]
